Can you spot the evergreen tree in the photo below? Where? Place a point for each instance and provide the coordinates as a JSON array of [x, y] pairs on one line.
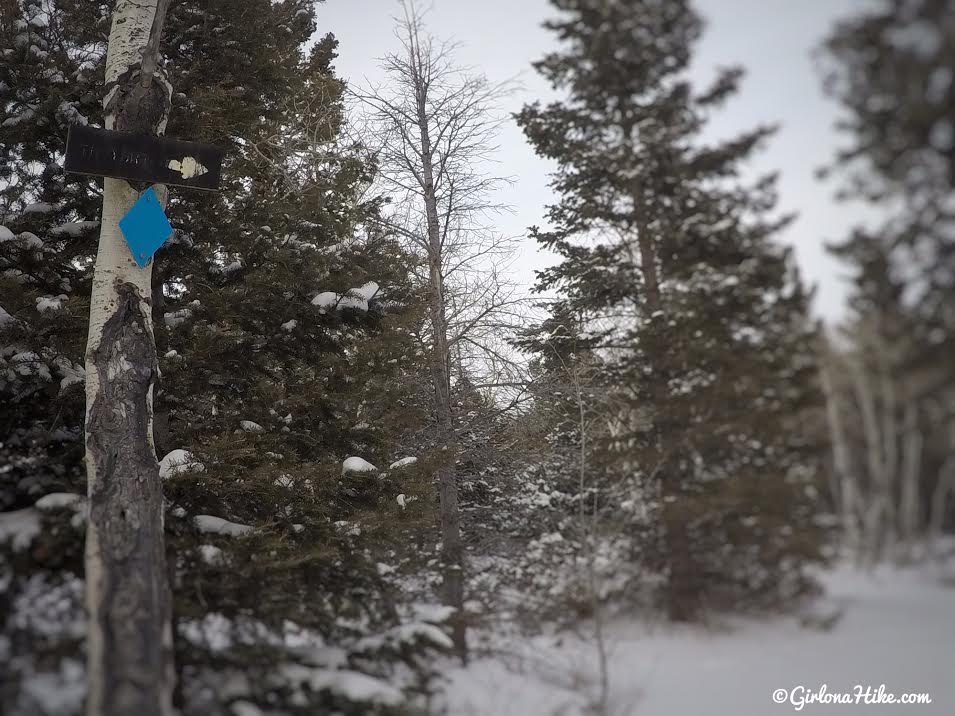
[[285, 334], [697, 315], [890, 69], [46, 246]]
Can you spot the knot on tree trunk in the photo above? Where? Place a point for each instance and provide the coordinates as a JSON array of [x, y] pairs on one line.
[[139, 102]]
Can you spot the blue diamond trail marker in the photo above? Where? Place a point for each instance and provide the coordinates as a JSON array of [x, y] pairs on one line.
[[145, 227], [143, 158]]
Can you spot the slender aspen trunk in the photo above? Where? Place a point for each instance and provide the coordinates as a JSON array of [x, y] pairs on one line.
[[910, 521], [130, 639], [846, 487], [452, 549], [590, 534], [944, 487], [878, 527]]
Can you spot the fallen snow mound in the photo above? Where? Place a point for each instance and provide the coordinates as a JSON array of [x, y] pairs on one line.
[[218, 526], [357, 464], [403, 462], [179, 462]]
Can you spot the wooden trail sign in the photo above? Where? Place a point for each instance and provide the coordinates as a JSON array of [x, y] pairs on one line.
[[137, 157]]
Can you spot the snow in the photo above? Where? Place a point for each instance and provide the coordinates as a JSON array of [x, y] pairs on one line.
[[57, 693], [355, 303], [29, 363], [5, 234], [897, 628], [351, 685], [432, 613], [211, 554], [177, 318], [40, 207], [209, 524], [403, 462], [410, 634], [50, 303], [179, 462], [284, 480], [60, 500], [72, 373], [347, 528], [289, 326], [19, 527], [30, 240], [356, 298], [326, 299], [357, 464], [942, 135], [228, 268], [251, 427], [245, 708], [367, 291], [25, 116], [67, 111], [213, 631], [74, 228]]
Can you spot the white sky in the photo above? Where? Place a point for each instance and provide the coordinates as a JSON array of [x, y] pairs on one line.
[[772, 39]]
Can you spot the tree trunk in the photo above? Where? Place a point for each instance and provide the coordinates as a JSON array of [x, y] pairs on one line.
[[944, 487], [879, 524], [452, 550], [130, 639], [911, 499], [846, 485], [683, 593]]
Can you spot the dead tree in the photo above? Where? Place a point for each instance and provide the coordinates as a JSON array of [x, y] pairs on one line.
[[432, 128]]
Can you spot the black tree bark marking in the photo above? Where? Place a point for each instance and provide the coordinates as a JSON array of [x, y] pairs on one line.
[[126, 513]]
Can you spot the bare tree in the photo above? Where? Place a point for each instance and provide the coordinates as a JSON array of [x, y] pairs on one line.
[[130, 637], [432, 129], [579, 380]]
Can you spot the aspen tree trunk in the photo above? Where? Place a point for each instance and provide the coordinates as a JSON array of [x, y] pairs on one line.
[[878, 523], [590, 534], [130, 638], [846, 486], [944, 487], [910, 521], [452, 550]]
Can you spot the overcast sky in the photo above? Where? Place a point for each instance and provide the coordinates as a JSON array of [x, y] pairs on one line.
[[772, 39]]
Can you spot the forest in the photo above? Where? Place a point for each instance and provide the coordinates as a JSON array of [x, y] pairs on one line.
[[327, 452]]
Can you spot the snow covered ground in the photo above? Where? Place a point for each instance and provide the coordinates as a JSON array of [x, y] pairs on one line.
[[897, 628]]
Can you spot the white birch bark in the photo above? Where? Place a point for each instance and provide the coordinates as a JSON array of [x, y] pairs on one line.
[[846, 488], [909, 509], [878, 526], [944, 488], [130, 639], [940, 496]]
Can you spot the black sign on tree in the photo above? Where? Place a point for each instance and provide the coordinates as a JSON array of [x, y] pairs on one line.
[[138, 157]]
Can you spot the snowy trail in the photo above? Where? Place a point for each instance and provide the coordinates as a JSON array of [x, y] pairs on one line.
[[898, 629]]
